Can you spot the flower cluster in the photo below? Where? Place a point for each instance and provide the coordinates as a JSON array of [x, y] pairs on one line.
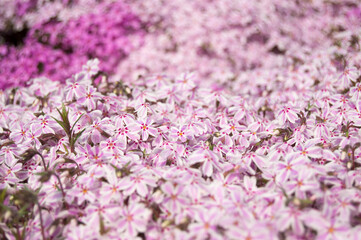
[[232, 120], [108, 32], [221, 39], [170, 159]]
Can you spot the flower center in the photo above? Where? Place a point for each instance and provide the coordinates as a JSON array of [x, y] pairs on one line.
[[129, 218], [331, 230]]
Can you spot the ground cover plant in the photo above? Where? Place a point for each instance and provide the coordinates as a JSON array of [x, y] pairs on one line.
[[205, 120]]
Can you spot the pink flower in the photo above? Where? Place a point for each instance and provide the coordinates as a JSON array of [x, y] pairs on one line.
[[186, 81], [171, 93], [74, 90], [91, 67], [124, 131], [206, 225], [134, 219], [292, 217], [309, 149], [209, 159], [287, 113], [112, 145], [9, 172], [19, 133], [111, 190], [348, 75], [290, 167], [174, 199], [82, 192], [138, 182], [356, 92], [179, 133], [238, 203], [142, 110], [33, 134], [326, 229], [89, 98], [250, 186], [145, 127], [45, 124], [302, 182], [9, 155], [97, 129]]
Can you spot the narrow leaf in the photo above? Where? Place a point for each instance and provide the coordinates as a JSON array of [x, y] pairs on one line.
[[75, 138], [61, 124], [2, 195], [76, 123]]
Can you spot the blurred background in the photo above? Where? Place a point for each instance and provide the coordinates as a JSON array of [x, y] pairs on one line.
[[220, 40]]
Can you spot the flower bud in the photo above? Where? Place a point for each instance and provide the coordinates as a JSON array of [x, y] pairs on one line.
[[343, 155], [349, 165]]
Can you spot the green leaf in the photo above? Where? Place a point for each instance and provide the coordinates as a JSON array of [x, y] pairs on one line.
[[64, 113], [5, 207], [76, 123], [23, 210], [66, 149], [66, 116], [61, 124], [44, 176], [2, 195], [60, 113], [23, 232], [76, 136], [68, 160], [127, 164], [102, 229], [14, 234]]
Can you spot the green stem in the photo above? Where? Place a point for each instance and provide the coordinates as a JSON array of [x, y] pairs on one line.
[[60, 184], [353, 158], [41, 221], [42, 159]]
